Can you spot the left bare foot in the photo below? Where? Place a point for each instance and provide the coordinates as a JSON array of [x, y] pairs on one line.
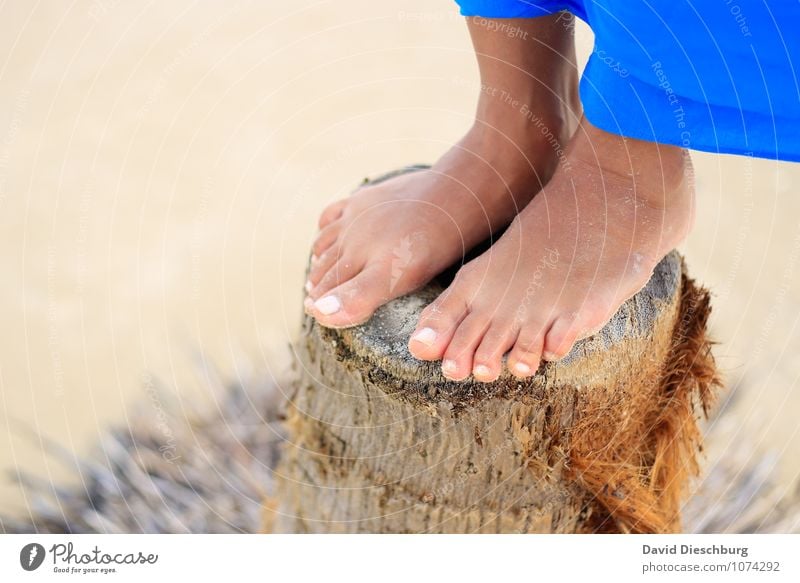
[[389, 239], [589, 241]]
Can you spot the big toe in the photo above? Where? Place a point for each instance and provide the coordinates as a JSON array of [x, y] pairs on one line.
[[345, 269], [354, 301], [437, 324]]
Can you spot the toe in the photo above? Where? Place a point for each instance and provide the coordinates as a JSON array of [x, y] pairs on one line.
[[322, 265], [326, 238], [594, 318], [331, 213], [527, 352], [496, 342], [437, 324], [354, 301], [560, 338], [340, 273], [459, 356]]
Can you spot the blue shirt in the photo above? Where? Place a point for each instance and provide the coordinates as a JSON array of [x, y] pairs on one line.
[[713, 75]]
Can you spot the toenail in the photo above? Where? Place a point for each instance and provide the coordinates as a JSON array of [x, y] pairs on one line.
[[314, 258], [309, 286], [482, 370], [522, 368], [449, 367], [308, 303], [550, 356], [328, 305], [426, 336]]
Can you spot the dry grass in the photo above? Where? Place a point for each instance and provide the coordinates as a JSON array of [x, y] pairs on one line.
[[179, 471], [740, 492]]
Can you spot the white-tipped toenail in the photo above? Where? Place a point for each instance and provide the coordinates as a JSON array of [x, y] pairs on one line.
[[328, 305], [482, 370], [449, 367], [426, 336], [309, 286], [522, 368]]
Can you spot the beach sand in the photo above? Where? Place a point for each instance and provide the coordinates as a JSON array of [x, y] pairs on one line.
[[162, 167]]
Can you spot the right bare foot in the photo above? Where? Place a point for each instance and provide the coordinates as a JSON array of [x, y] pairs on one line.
[[581, 248], [391, 238]]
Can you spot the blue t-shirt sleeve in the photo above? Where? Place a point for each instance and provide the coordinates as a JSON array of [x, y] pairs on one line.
[[696, 76], [510, 8]]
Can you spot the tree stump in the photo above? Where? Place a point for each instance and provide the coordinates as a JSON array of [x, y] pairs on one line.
[[602, 441]]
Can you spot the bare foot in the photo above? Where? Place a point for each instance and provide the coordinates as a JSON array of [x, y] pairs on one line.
[[585, 244], [389, 239]]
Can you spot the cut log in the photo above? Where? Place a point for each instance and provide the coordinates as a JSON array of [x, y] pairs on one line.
[[602, 441]]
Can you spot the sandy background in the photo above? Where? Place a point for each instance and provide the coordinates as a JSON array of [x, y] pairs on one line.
[[162, 166]]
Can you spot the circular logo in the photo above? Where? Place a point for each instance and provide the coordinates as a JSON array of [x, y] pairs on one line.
[[31, 556]]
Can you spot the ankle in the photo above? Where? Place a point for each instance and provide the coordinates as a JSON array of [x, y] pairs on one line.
[[651, 168], [525, 144], [529, 118]]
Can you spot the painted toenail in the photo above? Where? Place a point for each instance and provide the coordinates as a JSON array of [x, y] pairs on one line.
[[426, 336], [309, 286], [449, 367], [522, 368], [328, 305], [482, 370]]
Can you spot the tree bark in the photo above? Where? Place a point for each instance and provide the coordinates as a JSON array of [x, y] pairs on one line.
[[602, 441]]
